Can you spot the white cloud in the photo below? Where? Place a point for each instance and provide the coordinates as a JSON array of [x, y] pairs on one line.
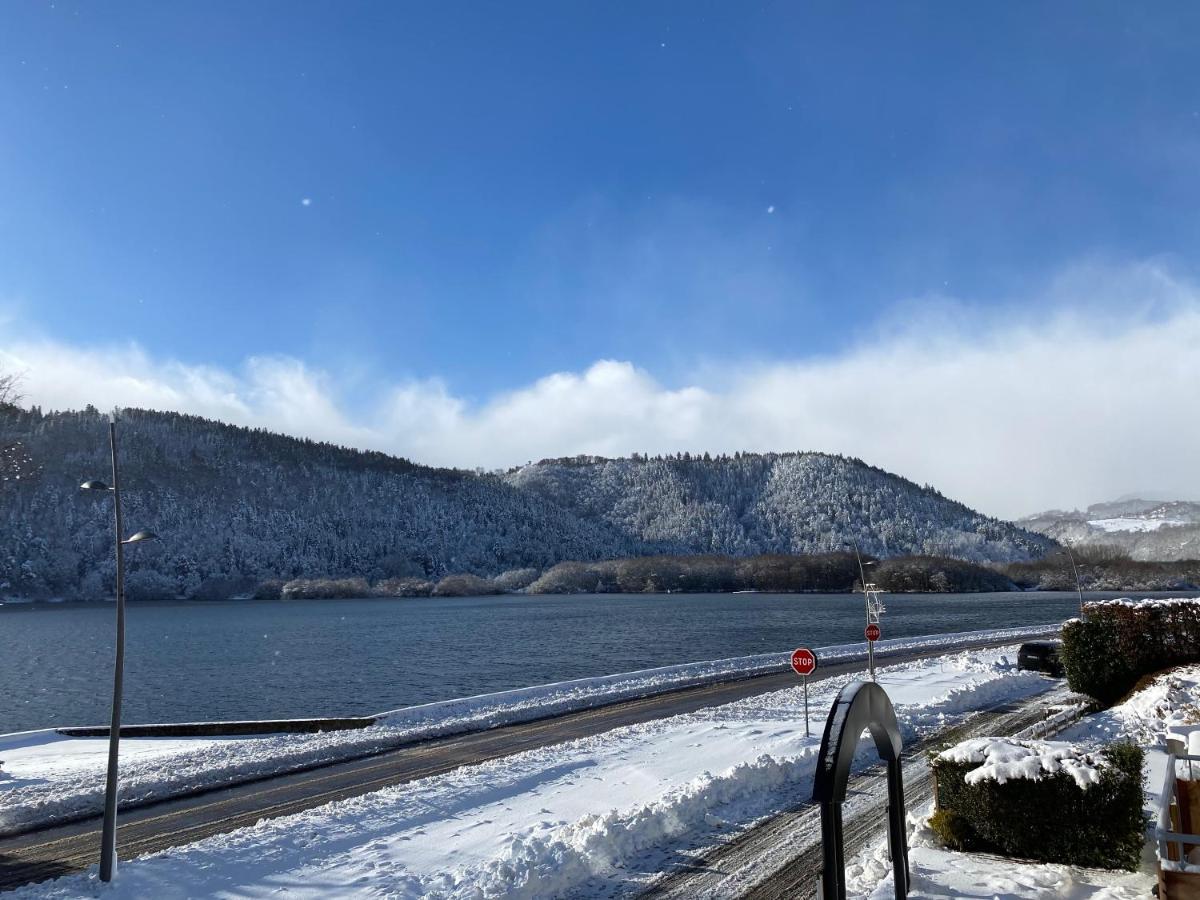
[[1052, 409]]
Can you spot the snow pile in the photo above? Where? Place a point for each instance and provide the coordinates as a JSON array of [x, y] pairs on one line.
[[1169, 706], [592, 816], [57, 778], [598, 845], [1006, 759]]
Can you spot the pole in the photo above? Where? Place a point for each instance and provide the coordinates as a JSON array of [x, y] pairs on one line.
[[862, 576], [806, 733], [108, 839], [1078, 585]]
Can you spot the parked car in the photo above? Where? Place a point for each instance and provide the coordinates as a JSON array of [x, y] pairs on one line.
[[1041, 656]]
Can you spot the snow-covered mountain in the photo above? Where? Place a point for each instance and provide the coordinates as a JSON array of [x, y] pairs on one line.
[[1145, 529], [772, 503], [243, 504]]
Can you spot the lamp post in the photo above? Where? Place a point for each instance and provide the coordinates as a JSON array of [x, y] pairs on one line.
[[867, 591], [1078, 584], [108, 838]]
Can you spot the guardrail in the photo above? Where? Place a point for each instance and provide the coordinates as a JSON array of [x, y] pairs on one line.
[[223, 729]]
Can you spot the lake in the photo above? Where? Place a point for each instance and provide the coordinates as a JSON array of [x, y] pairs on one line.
[[190, 661]]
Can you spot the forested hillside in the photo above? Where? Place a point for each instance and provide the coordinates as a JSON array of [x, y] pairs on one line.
[[773, 503], [241, 504]]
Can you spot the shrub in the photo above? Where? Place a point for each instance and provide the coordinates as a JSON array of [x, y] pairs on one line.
[[577, 578], [325, 589], [146, 584], [464, 586], [951, 829], [404, 587], [1119, 641], [269, 590], [515, 579], [1049, 817], [936, 574]]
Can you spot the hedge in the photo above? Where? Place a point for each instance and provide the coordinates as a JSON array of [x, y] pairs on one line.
[[1049, 819], [1119, 641]]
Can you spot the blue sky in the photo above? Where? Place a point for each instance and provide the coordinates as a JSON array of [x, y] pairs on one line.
[[479, 195]]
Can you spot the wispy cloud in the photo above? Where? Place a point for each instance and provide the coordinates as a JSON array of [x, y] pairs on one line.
[[1091, 398]]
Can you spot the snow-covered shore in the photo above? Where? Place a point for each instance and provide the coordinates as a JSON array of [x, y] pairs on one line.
[[595, 816], [51, 777]]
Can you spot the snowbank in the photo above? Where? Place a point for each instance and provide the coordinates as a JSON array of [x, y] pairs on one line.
[[54, 778], [1006, 759]]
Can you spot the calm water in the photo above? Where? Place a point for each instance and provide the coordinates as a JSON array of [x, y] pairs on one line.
[[195, 661]]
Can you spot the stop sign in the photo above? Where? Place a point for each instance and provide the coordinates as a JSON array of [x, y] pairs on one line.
[[872, 632], [804, 661]]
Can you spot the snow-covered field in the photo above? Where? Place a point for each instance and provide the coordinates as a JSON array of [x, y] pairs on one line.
[[1167, 707], [48, 777], [592, 817], [1134, 523]]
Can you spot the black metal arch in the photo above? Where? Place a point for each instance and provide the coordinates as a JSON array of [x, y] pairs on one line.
[[860, 706]]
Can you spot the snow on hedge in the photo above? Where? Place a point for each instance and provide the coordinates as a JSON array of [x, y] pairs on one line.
[[1146, 603], [1005, 759]]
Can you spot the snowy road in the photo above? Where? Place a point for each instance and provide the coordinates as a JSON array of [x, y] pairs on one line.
[[594, 803]]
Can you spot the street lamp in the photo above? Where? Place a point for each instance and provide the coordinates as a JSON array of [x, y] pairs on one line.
[[1078, 584], [108, 839], [873, 605]]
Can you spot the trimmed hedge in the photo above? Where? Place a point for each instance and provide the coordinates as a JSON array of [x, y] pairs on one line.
[[1118, 641], [1050, 819]]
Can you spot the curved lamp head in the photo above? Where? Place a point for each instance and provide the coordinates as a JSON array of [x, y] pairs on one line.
[[141, 536], [94, 486]]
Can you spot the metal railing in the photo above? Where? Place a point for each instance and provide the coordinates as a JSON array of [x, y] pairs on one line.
[[1164, 831]]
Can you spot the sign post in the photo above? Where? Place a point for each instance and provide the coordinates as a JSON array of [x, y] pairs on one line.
[[804, 663], [872, 632]]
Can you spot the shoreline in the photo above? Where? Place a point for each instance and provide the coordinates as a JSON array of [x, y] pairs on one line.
[[29, 603]]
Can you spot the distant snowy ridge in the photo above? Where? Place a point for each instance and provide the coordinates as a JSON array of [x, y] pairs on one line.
[[191, 765], [1145, 529]]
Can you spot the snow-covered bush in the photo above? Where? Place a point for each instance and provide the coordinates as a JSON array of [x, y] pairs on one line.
[[1119, 641], [464, 586], [1048, 801], [325, 589], [516, 579], [403, 587]]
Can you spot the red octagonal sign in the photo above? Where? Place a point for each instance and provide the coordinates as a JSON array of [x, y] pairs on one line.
[[872, 632], [804, 662]]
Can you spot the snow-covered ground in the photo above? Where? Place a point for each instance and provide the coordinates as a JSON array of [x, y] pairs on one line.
[[48, 777], [940, 873], [592, 817], [1168, 707], [1132, 523]]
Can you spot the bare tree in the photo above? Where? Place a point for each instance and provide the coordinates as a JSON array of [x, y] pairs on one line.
[[9, 395]]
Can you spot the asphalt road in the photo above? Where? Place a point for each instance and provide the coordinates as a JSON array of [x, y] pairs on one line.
[[47, 853]]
